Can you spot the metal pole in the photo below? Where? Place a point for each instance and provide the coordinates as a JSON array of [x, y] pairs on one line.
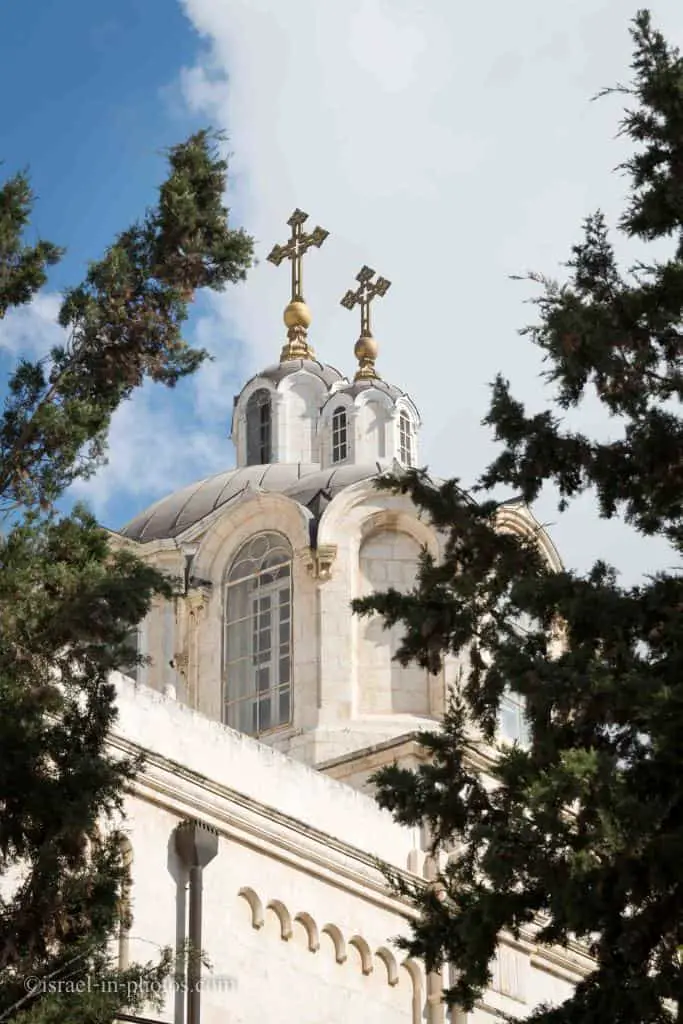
[[197, 845], [194, 963]]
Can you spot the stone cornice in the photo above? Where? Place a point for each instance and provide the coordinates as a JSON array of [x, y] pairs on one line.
[[247, 821], [242, 819], [570, 963]]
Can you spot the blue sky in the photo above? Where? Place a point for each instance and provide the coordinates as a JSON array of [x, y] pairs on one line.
[[99, 101], [447, 146], [85, 111]]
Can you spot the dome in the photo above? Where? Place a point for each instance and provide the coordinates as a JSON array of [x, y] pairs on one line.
[[305, 483], [329, 375], [376, 383]]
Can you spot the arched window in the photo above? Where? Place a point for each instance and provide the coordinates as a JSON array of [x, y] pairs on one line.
[[259, 428], [339, 435], [257, 671], [513, 725], [405, 439]]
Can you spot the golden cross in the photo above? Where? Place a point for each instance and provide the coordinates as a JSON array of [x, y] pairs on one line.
[[364, 295], [296, 247]]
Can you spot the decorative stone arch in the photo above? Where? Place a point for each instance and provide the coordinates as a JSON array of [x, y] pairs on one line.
[[337, 400], [406, 425], [376, 396], [354, 506], [311, 930], [389, 961], [337, 941], [364, 951], [519, 519], [239, 416], [254, 512], [412, 968], [304, 377], [256, 906], [250, 388], [284, 917], [219, 539], [405, 404], [400, 521], [385, 554]]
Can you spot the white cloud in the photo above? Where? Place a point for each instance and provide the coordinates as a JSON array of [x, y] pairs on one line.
[[158, 442], [151, 452], [447, 146], [32, 330]]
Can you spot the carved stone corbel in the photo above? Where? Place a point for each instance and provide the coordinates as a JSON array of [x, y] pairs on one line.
[[319, 561]]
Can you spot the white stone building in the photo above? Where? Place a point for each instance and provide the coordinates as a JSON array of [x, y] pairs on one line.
[[265, 706]]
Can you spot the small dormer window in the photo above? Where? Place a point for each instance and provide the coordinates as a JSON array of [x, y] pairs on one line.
[[259, 428], [405, 440], [339, 435]]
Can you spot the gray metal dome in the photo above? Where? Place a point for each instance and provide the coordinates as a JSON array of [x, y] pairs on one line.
[[305, 483], [329, 375]]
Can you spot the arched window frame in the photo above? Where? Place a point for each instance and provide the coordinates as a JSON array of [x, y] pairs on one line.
[[340, 434], [405, 439], [257, 657], [513, 724], [259, 428]]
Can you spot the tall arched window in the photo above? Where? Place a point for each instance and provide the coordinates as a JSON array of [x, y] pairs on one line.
[[405, 439], [339, 435], [259, 428], [513, 725], [257, 674]]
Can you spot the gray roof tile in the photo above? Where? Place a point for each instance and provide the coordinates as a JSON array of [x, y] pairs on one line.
[[300, 481]]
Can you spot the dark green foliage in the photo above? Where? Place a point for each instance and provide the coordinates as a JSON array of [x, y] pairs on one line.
[[583, 836], [22, 267], [68, 600]]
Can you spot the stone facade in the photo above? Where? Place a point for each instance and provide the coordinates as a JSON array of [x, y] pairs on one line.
[[298, 922]]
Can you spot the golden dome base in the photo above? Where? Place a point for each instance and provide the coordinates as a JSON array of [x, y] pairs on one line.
[[296, 346]]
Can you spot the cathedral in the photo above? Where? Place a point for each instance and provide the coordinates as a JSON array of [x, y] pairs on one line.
[[263, 708]]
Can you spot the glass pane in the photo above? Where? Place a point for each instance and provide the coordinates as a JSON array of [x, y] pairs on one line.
[[258, 547], [242, 716], [258, 427], [264, 648], [264, 714], [284, 707], [239, 681], [512, 722], [237, 641], [263, 678], [284, 670], [508, 720]]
